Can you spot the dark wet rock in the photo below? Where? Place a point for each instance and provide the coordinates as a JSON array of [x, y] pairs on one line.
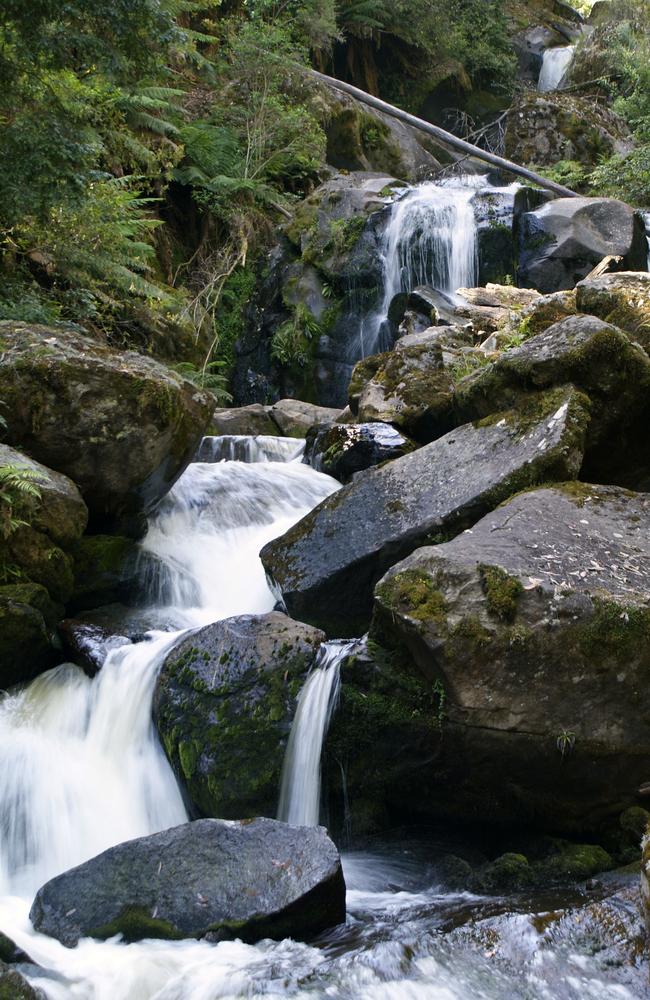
[[560, 243], [121, 426], [622, 299], [10, 953], [214, 879], [41, 561], [295, 418], [88, 645], [342, 450], [224, 703], [327, 564], [105, 571], [13, 986], [535, 625], [252, 419], [27, 644]]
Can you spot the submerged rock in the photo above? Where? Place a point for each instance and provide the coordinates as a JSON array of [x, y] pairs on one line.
[[342, 450], [214, 879], [121, 426], [561, 242], [327, 565], [535, 624], [224, 703]]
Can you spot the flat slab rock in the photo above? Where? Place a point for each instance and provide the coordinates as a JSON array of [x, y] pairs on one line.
[[327, 565], [214, 879], [537, 624]]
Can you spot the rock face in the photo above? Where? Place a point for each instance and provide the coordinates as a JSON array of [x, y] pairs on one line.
[[214, 879], [223, 705], [327, 565], [622, 299], [121, 426], [27, 619], [535, 625], [342, 450], [562, 241]]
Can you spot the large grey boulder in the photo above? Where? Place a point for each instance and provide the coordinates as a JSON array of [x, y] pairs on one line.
[[561, 242], [224, 703], [535, 624], [243, 420], [327, 565], [621, 298], [215, 879], [295, 418], [120, 425]]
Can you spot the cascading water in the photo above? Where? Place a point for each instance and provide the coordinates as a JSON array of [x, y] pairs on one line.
[[300, 792], [555, 66], [239, 448]]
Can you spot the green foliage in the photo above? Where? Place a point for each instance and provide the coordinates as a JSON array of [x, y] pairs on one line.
[[19, 494], [209, 377], [291, 341]]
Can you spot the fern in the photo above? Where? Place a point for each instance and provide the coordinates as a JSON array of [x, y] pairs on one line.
[[19, 494], [209, 377]]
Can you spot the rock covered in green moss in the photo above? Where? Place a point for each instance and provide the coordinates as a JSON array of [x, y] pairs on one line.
[[120, 425], [13, 986], [536, 624], [327, 565], [213, 879], [540, 314], [560, 243], [622, 299], [342, 450], [27, 645], [59, 510], [105, 570], [224, 704]]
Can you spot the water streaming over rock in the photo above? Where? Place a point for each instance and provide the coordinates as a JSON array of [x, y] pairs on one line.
[[301, 774], [555, 66], [240, 448]]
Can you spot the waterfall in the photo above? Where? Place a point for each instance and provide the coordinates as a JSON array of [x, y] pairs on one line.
[[301, 773], [239, 448], [81, 766], [431, 239], [646, 222], [555, 66]]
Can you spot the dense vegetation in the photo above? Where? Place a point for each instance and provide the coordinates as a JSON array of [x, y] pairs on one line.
[[148, 148]]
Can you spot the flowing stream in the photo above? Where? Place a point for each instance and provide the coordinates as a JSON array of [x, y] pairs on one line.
[[555, 66]]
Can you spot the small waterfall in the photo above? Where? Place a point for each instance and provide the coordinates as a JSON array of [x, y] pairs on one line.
[[431, 239], [301, 773], [555, 66], [646, 221], [240, 448]]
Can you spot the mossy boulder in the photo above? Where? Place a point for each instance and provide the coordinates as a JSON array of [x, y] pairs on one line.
[[224, 703], [327, 565], [59, 510], [27, 645], [560, 243], [121, 426], [105, 570], [536, 625], [13, 986], [213, 879], [622, 299], [408, 387], [544, 311]]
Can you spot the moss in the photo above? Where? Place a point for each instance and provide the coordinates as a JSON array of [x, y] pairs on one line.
[[187, 755], [615, 629], [135, 923], [501, 591], [413, 592], [576, 861], [509, 873]]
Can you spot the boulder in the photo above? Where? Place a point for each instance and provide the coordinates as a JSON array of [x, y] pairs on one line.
[[342, 450], [27, 644], [224, 703], [59, 511], [295, 418], [535, 624], [408, 387], [327, 565], [540, 314], [214, 879], [41, 561], [560, 243], [105, 570], [13, 986], [121, 426], [622, 299], [243, 420], [595, 356], [500, 296], [88, 645]]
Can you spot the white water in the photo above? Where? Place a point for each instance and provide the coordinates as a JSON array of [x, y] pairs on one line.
[[240, 448], [301, 773], [555, 66]]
